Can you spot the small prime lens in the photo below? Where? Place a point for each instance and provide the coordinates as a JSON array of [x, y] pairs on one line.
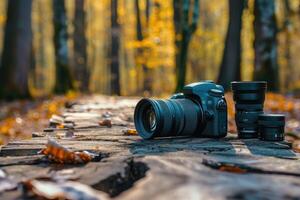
[[249, 97], [165, 118], [271, 127]]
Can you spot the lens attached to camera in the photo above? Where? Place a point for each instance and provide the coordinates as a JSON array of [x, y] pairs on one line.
[[165, 118], [249, 99]]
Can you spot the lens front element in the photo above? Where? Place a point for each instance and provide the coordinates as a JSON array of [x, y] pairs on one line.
[[149, 119]]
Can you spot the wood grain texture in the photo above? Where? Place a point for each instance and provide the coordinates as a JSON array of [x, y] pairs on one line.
[[173, 168]]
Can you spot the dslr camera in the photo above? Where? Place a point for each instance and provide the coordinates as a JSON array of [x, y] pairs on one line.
[[200, 111]]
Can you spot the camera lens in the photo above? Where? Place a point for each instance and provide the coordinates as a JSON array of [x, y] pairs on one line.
[[249, 98], [271, 127], [164, 118]]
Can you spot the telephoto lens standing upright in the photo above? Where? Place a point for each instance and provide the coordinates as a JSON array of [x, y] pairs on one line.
[[200, 111], [249, 100]]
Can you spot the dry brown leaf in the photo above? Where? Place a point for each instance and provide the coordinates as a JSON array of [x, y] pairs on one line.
[[232, 169], [296, 146], [130, 132], [60, 126], [58, 153], [106, 122]]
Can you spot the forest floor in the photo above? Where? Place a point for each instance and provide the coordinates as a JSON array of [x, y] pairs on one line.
[[94, 153]]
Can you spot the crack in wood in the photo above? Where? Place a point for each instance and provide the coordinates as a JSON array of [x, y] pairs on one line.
[[241, 168], [120, 182]]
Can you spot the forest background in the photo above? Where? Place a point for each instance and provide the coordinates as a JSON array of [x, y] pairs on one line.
[[145, 47]]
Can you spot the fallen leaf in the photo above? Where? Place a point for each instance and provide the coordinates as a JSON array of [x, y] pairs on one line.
[[232, 169], [60, 126], [296, 146], [106, 122], [58, 153], [130, 132], [226, 167]]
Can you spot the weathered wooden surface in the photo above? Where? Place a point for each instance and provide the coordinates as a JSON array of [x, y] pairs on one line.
[[130, 168]]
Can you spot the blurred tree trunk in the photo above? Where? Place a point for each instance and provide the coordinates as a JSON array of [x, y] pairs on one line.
[[231, 63], [177, 15], [115, 44], [142, 60], [265, 44], [289, 77], [17, 51], [80, 53], [63, 76], [184, 29], [148, 5]]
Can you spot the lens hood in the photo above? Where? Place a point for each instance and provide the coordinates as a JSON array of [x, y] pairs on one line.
[[248, 85]]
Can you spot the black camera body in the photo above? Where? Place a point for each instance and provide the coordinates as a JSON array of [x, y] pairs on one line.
[[200, 111], [211, 98]]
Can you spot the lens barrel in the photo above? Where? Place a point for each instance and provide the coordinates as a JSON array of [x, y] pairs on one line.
[[165, 118], [271, 127], [249, 99]]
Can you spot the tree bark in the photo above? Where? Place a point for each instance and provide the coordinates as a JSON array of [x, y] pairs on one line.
[[289, 78], [231, 63], [80, 54], [184, 29], [177, 15], [64, 81], [265, 44], [140, 51], [148, 11], [17, 51], [115, 44]]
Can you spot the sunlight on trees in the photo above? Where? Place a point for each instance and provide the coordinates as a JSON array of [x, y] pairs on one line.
[[146, 53]]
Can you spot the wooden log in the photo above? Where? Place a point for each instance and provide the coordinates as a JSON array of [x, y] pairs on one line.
[[131, 168]]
